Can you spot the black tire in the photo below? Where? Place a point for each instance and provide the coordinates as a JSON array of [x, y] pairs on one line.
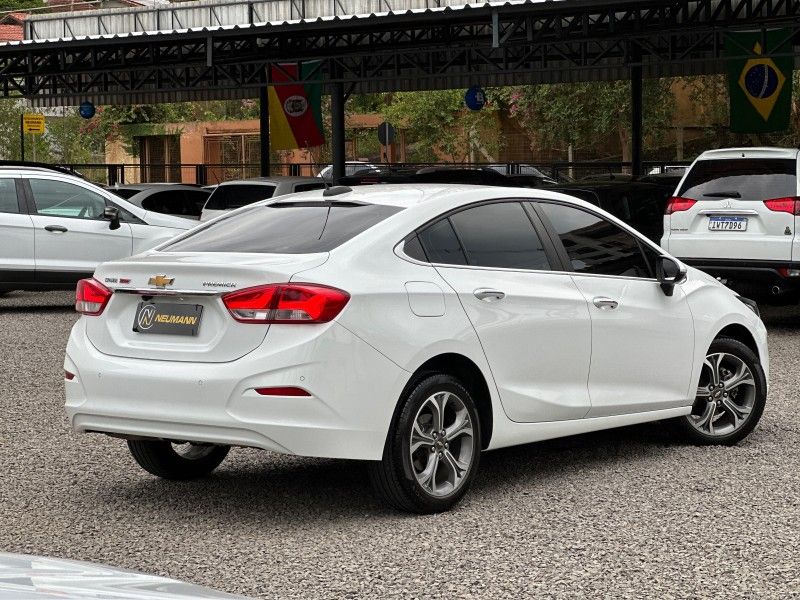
[[683, 425], [393, 477], [160, 458]]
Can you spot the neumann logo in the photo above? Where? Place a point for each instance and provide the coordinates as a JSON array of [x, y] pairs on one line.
[[146, 317]]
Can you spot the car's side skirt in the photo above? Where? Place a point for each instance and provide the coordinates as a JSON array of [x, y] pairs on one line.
[[512, 434]]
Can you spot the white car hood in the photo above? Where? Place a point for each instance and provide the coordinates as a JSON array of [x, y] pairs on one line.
[[25, 577], [161, 220]]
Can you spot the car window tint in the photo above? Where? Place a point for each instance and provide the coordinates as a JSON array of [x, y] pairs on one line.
[[227, 197], [8, 196], [413, 249], [61, 199], [195, 201], [595, 245], [296, 228], [500, 235], [307, 187], [755, 179], [441, 244]]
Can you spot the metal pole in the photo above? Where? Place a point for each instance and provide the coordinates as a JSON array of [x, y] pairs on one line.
[[337, 130], [22, 137], [263, 97], [637, 122]]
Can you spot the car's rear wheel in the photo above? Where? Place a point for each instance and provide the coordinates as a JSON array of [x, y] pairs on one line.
[[177, 460], [433, 449], [730, 397]]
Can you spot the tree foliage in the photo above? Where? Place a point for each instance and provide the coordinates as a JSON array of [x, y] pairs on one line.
[[585, 114], [8, 5]]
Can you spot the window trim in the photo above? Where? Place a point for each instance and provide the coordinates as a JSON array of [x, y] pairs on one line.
[[538, 227], [562, 251]]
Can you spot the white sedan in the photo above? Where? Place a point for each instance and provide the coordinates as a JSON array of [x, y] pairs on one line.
[[409, 326], [55, 228]]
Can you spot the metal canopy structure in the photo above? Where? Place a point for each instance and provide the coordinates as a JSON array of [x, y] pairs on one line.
[[430, 46], [425, 48]]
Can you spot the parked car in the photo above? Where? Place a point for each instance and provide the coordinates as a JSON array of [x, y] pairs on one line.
[[454, 174], [56, 228], [351, 167], [529, 172], [25, 577], [734, 215], [235, 194], [409, 326], [640, 205], [166, 198]]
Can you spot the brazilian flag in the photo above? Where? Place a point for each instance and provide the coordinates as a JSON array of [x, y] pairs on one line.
[[760, 83]]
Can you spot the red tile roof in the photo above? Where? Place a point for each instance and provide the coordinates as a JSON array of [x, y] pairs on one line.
[[10, 33]]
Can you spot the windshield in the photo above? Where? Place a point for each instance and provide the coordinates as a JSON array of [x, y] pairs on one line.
[[285, 228], [755, 179]]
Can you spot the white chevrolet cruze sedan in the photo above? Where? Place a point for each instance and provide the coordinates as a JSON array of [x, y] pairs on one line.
[[409, 326]]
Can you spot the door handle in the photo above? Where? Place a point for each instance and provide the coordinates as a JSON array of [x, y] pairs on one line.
[[604, 303], [489, 295], [56, 228]]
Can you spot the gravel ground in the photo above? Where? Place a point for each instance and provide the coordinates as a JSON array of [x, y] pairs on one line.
[[622, 514]]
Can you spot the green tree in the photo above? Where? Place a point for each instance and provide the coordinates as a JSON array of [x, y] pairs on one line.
[[438, 124], [584, 114], [9, 5]]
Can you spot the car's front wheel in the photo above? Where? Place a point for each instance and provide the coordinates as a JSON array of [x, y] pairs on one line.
[[730, 397], [177, 460], [433, 450]]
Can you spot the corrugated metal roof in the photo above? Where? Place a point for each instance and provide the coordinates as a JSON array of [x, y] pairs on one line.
[[207, 16]]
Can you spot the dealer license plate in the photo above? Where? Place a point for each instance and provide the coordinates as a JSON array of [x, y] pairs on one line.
[[170, 319]]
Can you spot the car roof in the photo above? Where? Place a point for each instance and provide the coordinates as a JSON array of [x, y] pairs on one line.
[[412, 194], [272, 180], [763, 152]]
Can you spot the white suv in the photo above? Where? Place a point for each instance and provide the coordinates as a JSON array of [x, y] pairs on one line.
[[55, 228], [734, 215]]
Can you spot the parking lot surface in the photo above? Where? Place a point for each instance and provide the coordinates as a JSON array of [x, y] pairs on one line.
[[626, 513]]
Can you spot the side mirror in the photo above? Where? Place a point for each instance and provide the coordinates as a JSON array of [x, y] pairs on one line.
[[111, 214], [669, 274]]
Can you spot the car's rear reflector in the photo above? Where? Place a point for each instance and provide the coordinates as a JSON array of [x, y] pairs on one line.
[[286, 303], [283, 391], [91, 297], [789, 205], [677, 204], [69, 376]]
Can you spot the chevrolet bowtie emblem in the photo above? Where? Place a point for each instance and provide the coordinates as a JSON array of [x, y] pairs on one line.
[[161, 281]]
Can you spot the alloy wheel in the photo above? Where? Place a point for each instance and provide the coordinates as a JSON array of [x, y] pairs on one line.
[[191, 451], [725, 396], [442, 444]]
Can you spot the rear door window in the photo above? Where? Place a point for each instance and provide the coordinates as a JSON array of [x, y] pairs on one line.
[[755, 179], [228, 197], [501, 236], [285, 228]]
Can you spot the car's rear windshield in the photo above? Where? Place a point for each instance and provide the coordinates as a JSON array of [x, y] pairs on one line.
[[286, 228], [227, 197], [741, 178]]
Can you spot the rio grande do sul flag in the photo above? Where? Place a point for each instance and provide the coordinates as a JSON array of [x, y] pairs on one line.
[[295, 109], [760, 83]]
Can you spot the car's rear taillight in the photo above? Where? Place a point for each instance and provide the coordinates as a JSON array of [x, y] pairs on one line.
[[677, 204], [789, 205], [286, 303], [294, 392], [91, 297]]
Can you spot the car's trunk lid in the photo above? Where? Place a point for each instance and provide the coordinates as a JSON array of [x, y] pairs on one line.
[[186, 284]]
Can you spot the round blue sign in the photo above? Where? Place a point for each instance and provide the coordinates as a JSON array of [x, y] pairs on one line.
[[475, 98], [87, 110]]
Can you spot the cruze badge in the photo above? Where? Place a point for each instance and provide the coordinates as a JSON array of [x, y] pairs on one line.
[[161, 281]]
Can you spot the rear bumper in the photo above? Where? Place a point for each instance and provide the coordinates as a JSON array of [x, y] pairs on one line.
[[354, 392], [750, 275]]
